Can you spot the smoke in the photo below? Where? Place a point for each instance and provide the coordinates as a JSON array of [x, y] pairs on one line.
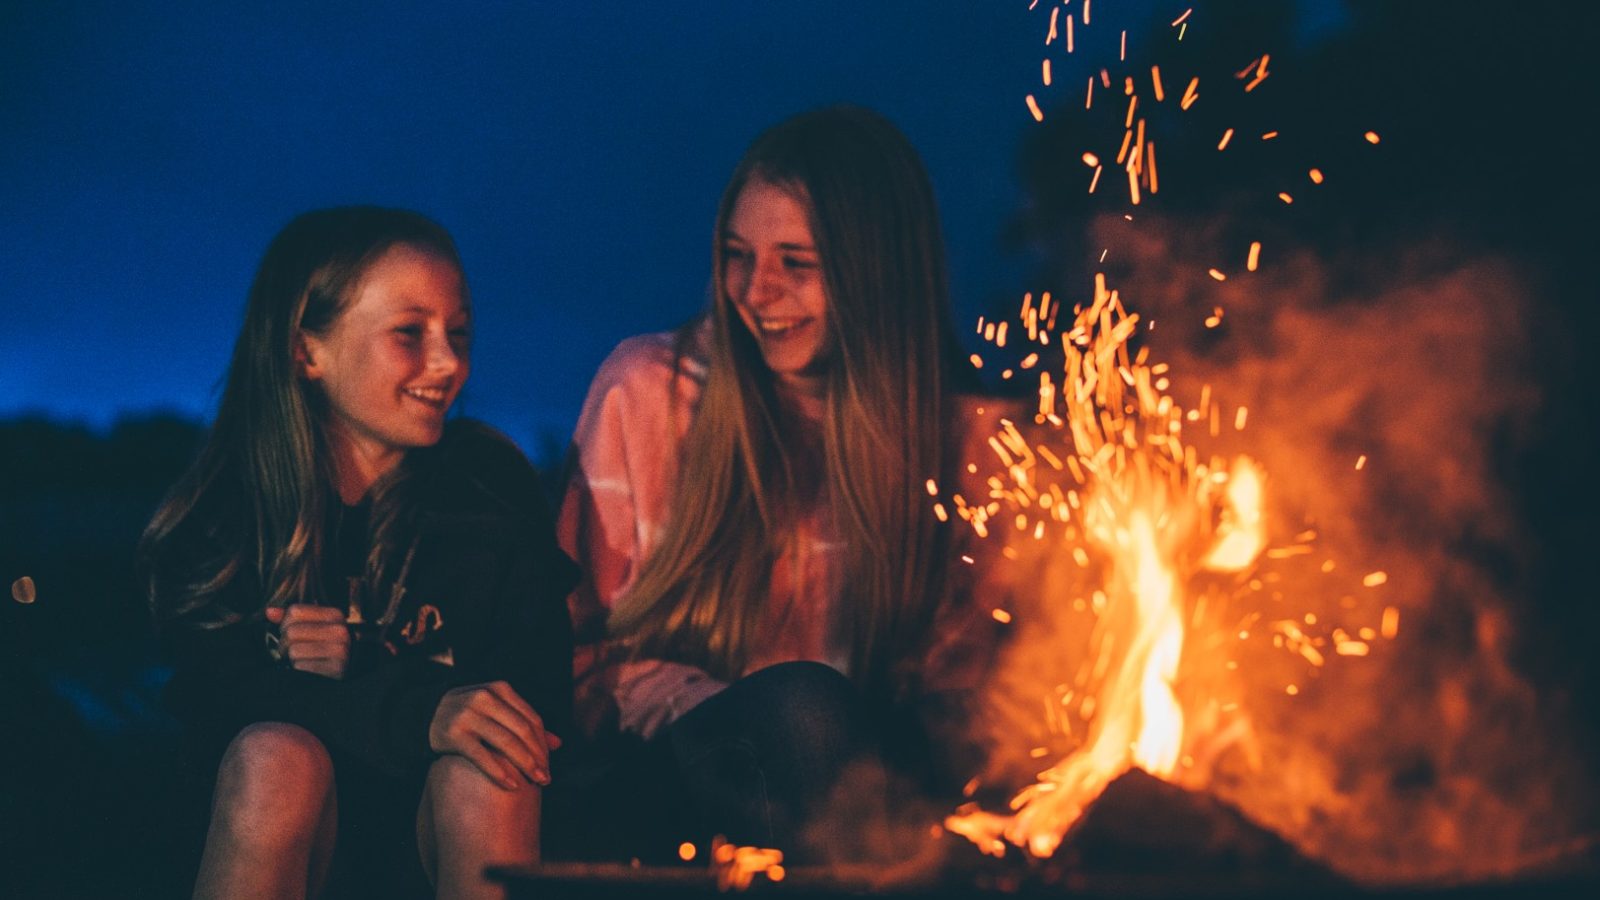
[[1434, 756]]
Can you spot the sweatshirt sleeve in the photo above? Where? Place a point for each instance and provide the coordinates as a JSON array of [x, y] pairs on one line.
[[599, 524], [622, 472]]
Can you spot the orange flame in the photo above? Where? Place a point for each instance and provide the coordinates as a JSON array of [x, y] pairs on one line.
[[1154, 515]]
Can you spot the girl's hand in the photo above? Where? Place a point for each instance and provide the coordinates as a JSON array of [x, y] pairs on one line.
[[313, 638], [495, 729]]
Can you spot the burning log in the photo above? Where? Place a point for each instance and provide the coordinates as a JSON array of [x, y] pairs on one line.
[[1146, 827], [1145, 835]]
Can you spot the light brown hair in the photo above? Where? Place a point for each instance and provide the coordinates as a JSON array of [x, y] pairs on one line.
[[243, 529]]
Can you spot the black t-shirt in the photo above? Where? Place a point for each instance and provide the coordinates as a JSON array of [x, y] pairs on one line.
[[344, 575]]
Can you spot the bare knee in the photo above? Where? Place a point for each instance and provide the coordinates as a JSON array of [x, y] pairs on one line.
[[468, 810], [274, 785], [460, 791]]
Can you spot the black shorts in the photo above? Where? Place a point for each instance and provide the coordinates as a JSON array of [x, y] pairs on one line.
[[376, 853]]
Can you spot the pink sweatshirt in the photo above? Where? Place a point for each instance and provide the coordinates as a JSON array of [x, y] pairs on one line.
[[626, 450]]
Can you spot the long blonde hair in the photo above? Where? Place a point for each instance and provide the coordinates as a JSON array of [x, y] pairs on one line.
[[699, 595]]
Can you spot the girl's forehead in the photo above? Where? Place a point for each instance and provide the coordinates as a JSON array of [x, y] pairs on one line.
[[406, 277], [767, 210], [793, 188]]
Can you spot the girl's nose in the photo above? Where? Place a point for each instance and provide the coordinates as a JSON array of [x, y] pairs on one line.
[[443, 359], [766, 283]]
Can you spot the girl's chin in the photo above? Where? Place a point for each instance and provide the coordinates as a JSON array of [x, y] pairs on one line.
[[791, 365], [804, 379]]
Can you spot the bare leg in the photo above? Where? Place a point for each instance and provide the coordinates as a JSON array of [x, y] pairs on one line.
[[467, 822], [273, 817]]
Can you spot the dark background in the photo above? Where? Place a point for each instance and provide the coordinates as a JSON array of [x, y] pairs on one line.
[[577, 150]]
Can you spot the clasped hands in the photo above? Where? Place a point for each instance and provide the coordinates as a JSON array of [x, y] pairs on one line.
[[312, 638], [489, 724]]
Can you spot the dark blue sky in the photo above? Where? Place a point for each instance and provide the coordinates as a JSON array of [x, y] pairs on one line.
[[575, 149]]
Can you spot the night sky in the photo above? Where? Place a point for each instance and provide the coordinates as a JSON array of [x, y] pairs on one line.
[[576, 151]]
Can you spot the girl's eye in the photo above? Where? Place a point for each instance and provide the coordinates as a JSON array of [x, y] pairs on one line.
[[799, 263], [735, 253], [410, 331]]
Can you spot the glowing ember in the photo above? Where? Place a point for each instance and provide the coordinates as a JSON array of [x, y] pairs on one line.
[[736, 867], [1260, 69]]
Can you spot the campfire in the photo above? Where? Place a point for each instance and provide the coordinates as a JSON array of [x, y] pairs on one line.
[[1147, 521], [1200, 614]]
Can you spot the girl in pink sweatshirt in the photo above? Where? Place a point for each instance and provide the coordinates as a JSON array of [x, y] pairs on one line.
[[748, 496]]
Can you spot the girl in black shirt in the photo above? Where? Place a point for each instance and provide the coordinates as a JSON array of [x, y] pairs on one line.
[[363, 603]]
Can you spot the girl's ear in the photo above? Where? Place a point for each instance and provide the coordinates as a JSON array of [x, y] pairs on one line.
[[305, 363]]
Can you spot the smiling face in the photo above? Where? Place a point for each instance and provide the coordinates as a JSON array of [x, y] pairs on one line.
[[773, 277], [391, 363]]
